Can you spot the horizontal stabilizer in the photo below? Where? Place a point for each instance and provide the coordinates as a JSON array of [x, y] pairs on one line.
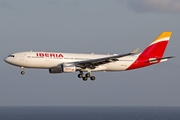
[[155, 60]]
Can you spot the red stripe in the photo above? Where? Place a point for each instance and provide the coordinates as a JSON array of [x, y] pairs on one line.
[[155, 50]]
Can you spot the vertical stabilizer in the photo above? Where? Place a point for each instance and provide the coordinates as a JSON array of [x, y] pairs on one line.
[[158, 46], [153, 54]]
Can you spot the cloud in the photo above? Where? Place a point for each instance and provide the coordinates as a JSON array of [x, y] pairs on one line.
[[141, 6]]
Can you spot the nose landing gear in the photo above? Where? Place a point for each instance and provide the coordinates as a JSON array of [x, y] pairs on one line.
[[22, 70]]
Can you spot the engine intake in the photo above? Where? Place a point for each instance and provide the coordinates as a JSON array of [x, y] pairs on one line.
[[56, 70]]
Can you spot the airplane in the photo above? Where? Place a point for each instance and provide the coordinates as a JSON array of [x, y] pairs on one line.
[[57, 62]]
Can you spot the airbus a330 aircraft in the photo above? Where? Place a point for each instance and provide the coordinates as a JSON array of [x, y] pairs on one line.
[[72, 62]]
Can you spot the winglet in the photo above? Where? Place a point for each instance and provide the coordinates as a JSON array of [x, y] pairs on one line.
[[135, 51]]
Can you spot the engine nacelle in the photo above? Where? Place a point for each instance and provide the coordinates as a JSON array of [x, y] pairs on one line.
[[56, 70], [68, 68]]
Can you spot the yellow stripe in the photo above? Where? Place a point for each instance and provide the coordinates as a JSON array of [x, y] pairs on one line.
[[163, 35]]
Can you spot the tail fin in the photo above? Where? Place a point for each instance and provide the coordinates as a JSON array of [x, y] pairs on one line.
[[157, 47]]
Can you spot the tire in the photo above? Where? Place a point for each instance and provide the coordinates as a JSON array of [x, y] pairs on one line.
[[92, 78], [88, 74], [84, 78], [80, 75], [22, 72]]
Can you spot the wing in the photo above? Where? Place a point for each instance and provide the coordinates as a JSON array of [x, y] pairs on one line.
[[99, 61]]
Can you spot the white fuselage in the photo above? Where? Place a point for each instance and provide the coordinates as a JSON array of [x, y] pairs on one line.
[[46, 60]]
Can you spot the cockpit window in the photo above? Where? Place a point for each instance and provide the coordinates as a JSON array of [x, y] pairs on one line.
[[11, 56]]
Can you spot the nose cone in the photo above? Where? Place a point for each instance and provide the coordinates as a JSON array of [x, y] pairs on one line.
[[6, 60]]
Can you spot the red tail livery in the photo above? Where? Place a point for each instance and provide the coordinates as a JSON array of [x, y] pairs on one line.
[[154, 52]]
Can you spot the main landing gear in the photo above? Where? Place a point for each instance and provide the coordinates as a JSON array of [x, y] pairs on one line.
[[22, 70], [86, 76]]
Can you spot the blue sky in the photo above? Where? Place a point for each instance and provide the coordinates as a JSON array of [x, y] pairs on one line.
[[82, 26]]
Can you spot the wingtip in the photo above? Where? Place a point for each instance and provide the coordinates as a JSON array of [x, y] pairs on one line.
[[135, 51]]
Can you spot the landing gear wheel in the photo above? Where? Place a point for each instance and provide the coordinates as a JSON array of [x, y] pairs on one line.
[[22, 72], [85, 78], [80, 75], [92, 78], [88, 75]]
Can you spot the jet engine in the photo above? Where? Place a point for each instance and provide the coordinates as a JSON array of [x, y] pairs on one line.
[[66, 68], [56, 69]]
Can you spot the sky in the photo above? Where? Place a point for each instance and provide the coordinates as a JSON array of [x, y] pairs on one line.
[[86, 26]]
